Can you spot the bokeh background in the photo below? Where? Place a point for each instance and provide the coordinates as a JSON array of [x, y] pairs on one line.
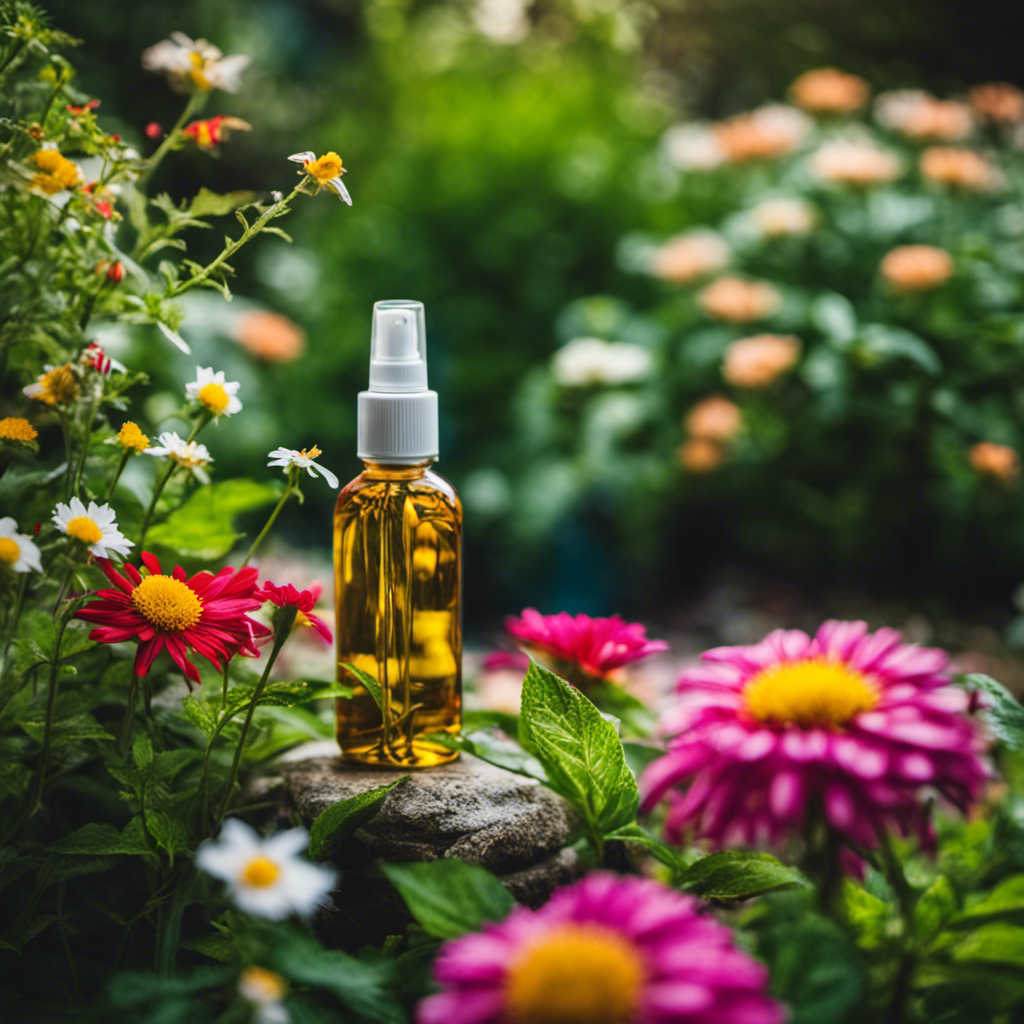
[[498, 153]]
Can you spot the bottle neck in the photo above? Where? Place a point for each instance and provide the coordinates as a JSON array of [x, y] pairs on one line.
[[397, 470]]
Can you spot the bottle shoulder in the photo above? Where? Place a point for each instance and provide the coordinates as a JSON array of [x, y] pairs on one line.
[[398, 482]]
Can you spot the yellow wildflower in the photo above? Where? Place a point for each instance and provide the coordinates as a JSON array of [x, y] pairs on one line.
[[55, 172], [16, 428], [57, 385]]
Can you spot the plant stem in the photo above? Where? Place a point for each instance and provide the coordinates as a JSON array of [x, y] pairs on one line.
[[117, 474], [12, 619], [195, 101], [273, 516], [129, 714], [51, 701], [66, 431], [283, 628], [907, 899], [76, 482]]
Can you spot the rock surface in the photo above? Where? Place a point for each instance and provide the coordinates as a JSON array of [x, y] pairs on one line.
[[468, 809]]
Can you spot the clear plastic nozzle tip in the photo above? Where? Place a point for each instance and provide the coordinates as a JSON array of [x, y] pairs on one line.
[[398, 347]]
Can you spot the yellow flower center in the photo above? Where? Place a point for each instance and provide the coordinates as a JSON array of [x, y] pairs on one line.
[[59, 386], [14, 428], [214, 397], [576, 974], [131, 437], [10, 550], [196, 72], [84, 529], [167, 603], [808, 693], [56, 172], [325, 168], [260, 872], [312, 453], [260, 985]]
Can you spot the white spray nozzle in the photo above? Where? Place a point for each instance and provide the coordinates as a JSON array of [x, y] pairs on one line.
[[398, 348]]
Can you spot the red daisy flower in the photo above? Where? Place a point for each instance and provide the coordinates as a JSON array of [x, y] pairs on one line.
[[303, 600], [206, 613]]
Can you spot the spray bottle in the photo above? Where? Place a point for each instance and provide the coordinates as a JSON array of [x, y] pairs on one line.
[[397, 563]]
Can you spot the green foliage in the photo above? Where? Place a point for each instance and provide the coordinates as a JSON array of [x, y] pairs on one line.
[[332, 826], [735, 875], [1002, 710], [448, 897]]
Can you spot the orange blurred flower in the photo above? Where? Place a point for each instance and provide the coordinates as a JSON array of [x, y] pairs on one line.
[[208, 134], [855, 161], [269, 336], [738, 301], [919, 115], [958, 168], [699, 455], [714, 418], [687, 257], [995, 460], [758, 361], [916, 268], [761, 134], [829, 91], [997, 101]]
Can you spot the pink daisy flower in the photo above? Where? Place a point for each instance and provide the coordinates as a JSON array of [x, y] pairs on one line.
[[597, 646], [851, 722], [206, 613], [303, 600], [613, 949]]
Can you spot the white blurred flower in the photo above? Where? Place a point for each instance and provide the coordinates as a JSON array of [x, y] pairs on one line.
[[190, 454], [855, 160], [195, 65], [265, 991], [214, 393], [503, 21], [266, 877], [692, 147], [288, 457], [17, 551], [783, 216], [586, 361], [919, 115], [95, 526]]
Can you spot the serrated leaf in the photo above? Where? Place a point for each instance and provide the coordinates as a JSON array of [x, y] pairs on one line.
[[369, 682], [142, 752], [169, 832], [96, 839], [657, 849], [340, 820], [212, 204], [200, 714], [284, 694], [216, 945], [449, 897], [740, 875], [203, 528], [1003, 712], [67, 730], [580, 750]]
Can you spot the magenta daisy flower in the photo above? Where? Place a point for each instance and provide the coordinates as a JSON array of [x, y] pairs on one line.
[[206, 613], [597, 646], [855, 724], [609, 949], [303, 600]]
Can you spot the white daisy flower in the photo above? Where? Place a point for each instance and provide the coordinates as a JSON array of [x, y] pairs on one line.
[[17, 551], [214, 393], [288, 457], [326, 171], [195, 65], [94, 526], [583, 362], [265, 877], [190, 454], [265, 991]]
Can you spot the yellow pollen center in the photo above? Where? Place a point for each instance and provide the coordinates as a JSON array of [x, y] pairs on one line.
[[312, 453], [56, 172], [131, 437], [809, 693], [10, 550], [324, 168], [261, 985], [167, 603], [214, 397], [576, 974], [84, 529], [260, 872], [196, 72]]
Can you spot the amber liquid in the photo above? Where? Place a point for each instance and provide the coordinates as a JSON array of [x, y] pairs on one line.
[[398, 584]]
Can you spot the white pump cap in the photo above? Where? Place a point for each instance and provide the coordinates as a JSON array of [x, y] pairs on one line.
[[398, 414]]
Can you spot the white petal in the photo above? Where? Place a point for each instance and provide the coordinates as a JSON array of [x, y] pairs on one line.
[[303, 158], [286, 844]]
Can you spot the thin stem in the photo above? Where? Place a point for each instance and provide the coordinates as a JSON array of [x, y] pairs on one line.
[[129, 714], [283, 628], [272, 211], [195, 101], [224, 689], [66, 431], [273, 516], [117, 474], [157, 491], [89, 420], [51, 701], [907, 899], [12, 618]]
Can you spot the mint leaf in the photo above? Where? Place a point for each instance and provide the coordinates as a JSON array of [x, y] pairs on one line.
[[340, 820], [1004, 713], [740, 875], [368, 681]]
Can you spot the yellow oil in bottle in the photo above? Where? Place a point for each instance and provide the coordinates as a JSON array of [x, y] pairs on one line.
[[397, 575]]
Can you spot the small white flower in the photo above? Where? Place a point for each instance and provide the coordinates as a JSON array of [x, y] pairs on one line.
[[266, 877], [265, 991], [288, 457], [587, 361], [782, 215], [195, 65], [190, 454], [94, 526], [17, 551], [214, 393], [692, 147]]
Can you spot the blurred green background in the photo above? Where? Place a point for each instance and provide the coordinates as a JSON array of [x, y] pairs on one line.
[[497, 153]]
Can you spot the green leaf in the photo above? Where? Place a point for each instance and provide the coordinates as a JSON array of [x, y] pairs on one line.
[[494, 749], [368, 681], [98, 839], [170, 833], [201, 714], [880, 343], [1005, 899], [580, 750], [67, 730], [1003, 712], [142, 752], [340, 820], [284, 694], [203, 528], [866, 915], [216, 945], [449, 897], [935, 907], [740, 875], [211, 204], [657, 849], [833, 314], [998, 942]]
